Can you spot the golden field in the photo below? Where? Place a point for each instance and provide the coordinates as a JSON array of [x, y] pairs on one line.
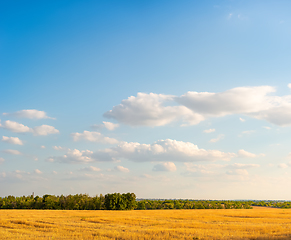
[[257, 223]]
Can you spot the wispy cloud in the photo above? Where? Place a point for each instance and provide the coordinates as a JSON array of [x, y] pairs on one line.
[[12, 151], [209, 130], [29, 113], [248, 132], [93, 137], [219, 137], [243, 153], [121, 169]]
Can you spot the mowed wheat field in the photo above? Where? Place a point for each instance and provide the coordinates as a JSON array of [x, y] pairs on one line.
[[257, 223]]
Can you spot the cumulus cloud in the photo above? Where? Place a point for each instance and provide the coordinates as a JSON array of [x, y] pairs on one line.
[[110, 126], [75, 156], [121, 169], [58, 148], [93, 137], [37, 171], [160, 151], [243, 153], [12, 140], [43, 147], [151, 110], [44, 130], [12, 151], [29, 113], [289, 85], [209, 130], [2, 160], [233, 101], [15, 127], [193, 107], [20, 128], [219, 137], [90, 169], [166, 167]]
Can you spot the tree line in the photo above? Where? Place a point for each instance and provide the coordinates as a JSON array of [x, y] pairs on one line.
[[125, 201], [275, 204], [114, 201]]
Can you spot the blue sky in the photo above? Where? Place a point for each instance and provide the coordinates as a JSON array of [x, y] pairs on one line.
[[167, 99]]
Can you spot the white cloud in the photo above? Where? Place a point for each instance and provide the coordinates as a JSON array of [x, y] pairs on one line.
[[233, 101], [150, 110], [12, 140], [121, 169], [242, 120], [12, 151], [161, 151], [58, 148], [42, 147], [37, 171], [289, 85], [15, 127], [219, 137], [93, 137], [243, 153], [193, 107], [90, 169], [166, 166], [29, 113], [2, 160], [44, 130], [209, 130], [20, 128], [282, 165], [110, 126], [268, 128], [55, 173], [76, 156]]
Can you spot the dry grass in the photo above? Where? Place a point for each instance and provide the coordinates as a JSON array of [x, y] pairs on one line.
[[258, 223]]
